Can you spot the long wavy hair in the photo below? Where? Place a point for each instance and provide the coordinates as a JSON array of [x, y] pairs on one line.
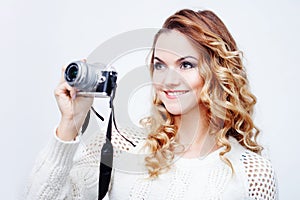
[[225, 92]]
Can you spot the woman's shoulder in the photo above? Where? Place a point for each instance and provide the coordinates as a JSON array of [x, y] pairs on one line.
[[249, 160], [257, 171]]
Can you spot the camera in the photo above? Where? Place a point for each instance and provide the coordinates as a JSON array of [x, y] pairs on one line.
[[91, 79]]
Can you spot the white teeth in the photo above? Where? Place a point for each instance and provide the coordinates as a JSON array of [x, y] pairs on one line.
[[176, 93]]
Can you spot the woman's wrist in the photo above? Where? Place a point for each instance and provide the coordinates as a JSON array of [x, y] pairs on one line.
[[67, 130]]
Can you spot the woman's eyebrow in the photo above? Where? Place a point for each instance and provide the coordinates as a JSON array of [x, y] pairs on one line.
[[179, 60], [156, 58]]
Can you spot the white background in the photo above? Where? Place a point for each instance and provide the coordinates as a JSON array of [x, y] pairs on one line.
[[38, 37]]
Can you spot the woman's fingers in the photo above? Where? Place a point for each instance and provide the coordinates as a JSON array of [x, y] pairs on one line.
[[64, 89]]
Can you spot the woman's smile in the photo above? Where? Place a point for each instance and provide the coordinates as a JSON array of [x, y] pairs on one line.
[[174, 94]]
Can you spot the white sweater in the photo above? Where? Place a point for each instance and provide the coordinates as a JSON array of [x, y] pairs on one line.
[[70, 170]]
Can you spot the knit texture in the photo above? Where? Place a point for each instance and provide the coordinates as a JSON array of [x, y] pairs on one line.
[[70, 170]]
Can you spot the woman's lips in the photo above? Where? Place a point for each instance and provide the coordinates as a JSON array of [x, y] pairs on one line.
[[173, 94]]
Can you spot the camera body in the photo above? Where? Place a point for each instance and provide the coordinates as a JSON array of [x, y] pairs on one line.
[[91, 79]]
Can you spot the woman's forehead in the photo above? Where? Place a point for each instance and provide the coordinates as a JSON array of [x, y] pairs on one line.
[[175, 43]]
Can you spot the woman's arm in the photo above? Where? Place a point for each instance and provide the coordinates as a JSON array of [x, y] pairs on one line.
[[50, 176]]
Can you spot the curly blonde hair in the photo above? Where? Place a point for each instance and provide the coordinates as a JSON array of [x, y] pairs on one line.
[[225, 92]]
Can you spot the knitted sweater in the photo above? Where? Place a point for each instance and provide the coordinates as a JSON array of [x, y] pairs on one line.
[[70, 170]]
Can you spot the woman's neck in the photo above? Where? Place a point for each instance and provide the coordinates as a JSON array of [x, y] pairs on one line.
[[193, 128]]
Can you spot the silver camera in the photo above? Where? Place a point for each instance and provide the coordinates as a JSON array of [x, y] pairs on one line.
[[91, 79]]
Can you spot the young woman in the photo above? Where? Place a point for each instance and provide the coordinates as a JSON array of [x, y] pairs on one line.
[[201, 141]]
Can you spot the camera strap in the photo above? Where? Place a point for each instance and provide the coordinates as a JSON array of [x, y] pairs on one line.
[[106, 162], [106, 159]]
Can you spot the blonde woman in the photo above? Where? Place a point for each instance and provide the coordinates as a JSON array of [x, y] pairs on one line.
[[201, 141]]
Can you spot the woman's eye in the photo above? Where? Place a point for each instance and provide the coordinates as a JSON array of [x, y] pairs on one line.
[[158, 66], [187, 65]]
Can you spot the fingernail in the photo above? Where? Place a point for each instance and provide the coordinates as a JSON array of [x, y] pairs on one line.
[[74, 96]]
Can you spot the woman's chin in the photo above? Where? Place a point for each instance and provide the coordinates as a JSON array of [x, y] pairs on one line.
[[175, 109]]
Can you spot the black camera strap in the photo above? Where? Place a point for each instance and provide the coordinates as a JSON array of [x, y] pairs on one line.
[[106, 159], [106, 162], [106, 156], [107, 153]]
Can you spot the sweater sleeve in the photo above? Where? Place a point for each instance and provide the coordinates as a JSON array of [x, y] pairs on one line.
[[50, 176], [262, 182]]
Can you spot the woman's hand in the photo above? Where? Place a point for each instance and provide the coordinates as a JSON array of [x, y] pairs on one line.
[[73, 109]]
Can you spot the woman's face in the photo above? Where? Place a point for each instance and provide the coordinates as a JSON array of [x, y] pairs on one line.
[[176, 76]]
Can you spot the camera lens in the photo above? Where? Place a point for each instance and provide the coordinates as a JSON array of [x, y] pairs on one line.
[[71, 72]]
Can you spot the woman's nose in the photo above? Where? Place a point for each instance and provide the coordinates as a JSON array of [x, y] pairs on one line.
[[171, 79]]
